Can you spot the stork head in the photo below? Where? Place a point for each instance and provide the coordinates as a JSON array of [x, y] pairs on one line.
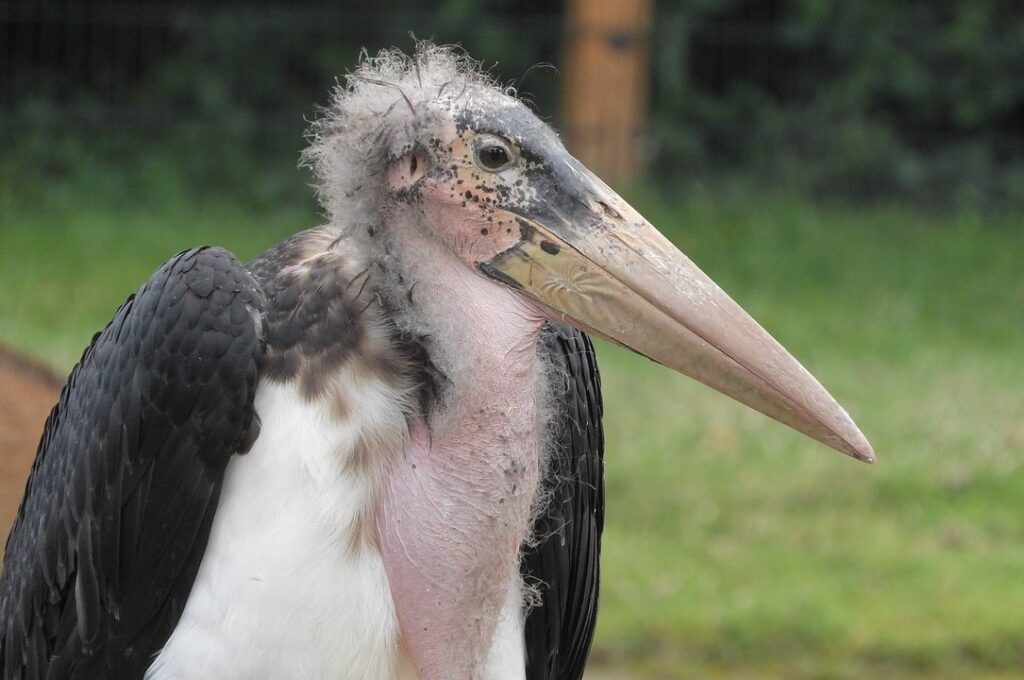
[[494, 184]]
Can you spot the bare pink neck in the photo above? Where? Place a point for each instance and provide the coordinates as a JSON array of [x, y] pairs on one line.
[[457, 504]]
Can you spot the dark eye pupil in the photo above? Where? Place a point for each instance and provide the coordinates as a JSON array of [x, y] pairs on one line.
[[493, 157]]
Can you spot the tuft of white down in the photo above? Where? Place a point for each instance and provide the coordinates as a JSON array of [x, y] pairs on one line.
[[376, 114], [283, 590]]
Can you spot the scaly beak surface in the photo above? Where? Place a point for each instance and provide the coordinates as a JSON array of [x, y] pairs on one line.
[[609, 271]]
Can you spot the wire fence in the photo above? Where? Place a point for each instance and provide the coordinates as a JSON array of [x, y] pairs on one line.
[[728, 88], [151, 64]]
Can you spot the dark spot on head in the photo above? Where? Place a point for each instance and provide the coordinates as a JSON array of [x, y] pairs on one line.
[[469, 194], [483, 231], [550, 247]]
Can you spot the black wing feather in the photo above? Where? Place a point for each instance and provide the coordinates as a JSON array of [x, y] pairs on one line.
[[564, 564], [127, 478]]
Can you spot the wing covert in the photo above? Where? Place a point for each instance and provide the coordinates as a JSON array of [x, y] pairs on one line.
[[119, 503]]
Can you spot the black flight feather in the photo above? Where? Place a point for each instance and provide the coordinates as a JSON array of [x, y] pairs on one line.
[[119, 504], [564, 563]]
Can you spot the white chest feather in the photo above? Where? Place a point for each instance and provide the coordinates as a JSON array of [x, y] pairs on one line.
[[292, 584]]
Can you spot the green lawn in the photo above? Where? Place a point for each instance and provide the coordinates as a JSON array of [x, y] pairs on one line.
[[734, 547]]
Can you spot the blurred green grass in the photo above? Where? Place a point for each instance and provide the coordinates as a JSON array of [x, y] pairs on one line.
[[734, 547]]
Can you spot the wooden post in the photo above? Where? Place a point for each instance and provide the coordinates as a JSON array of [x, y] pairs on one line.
[[606, 83]]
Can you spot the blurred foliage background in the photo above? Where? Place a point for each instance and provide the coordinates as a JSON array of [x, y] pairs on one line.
[[865, 100], [851, 172]]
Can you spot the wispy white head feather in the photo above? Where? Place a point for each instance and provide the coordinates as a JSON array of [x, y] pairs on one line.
[[376, 112]]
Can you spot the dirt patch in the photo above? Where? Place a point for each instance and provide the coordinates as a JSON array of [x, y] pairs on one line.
[[28, 392]]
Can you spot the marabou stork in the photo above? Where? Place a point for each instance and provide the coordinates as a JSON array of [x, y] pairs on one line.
[[375, 451]]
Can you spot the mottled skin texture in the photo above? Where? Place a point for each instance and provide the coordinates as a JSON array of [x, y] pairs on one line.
[[457, 503], [457, 506]]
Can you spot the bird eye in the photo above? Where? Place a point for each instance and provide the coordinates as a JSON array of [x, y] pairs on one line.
[[493, 155]]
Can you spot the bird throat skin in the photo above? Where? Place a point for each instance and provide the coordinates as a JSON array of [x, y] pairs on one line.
[[456, 505]]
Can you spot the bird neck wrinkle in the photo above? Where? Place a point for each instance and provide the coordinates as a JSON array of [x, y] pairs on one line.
[[456, 506]]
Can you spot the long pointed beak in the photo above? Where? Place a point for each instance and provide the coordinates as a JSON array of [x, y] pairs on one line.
[[604, 268]]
